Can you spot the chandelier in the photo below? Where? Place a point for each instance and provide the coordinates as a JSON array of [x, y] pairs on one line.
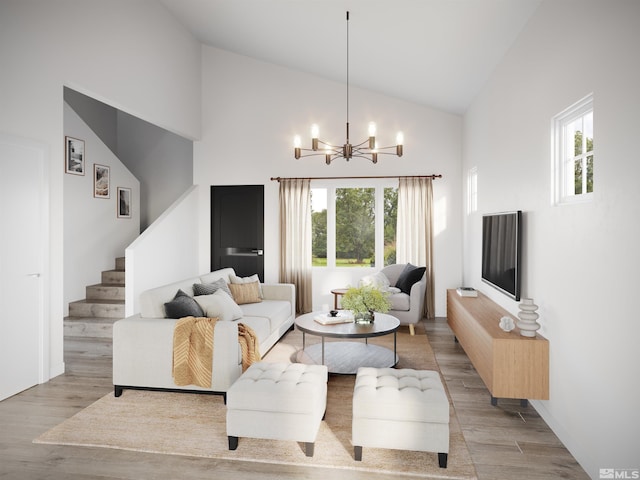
[[367, 149]]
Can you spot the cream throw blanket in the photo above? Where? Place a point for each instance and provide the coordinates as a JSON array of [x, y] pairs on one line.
[[193, 350]]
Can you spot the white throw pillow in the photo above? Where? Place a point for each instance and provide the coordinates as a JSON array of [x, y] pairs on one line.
[[251, 279], [219, 304], [378, 280]]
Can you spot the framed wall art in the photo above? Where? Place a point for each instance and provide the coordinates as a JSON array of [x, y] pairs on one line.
[[124, 202], [101, 181], [74, 156]]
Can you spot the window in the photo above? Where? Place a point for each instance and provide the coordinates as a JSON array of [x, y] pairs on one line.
[[472, 190], [348, 231], [573, 152]]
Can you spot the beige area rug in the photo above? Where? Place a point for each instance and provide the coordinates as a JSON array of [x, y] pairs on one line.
[[194, 425]]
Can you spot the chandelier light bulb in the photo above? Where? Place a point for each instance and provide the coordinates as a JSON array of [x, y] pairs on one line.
[[372, 129], [400, 138], [297, 142], [315, 131]]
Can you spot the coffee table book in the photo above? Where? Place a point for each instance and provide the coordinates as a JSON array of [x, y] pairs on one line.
[[341, 317]]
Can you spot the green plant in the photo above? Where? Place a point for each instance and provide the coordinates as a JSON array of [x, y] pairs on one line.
[[366, 299]]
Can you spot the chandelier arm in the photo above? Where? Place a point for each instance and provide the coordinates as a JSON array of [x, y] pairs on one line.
[[366, 142], [314, 154], [363, 156], [335, 147], [388, 153]]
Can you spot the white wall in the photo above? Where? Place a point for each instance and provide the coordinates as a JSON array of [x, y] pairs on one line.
[[580, 261], [165, 252], [94, 236], [251, 112], [131, 55]]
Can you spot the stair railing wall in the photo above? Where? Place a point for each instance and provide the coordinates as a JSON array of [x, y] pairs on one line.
[[166, 251]]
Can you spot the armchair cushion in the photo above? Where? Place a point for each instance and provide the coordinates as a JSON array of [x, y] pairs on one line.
[[400, 301]]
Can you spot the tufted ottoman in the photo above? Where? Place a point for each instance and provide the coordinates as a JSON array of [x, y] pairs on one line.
[[403, 409], [277, 401]]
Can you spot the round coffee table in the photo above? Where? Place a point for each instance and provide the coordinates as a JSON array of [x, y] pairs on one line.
[[346, 357]]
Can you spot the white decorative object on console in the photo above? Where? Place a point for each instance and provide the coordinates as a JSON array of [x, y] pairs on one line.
[[507, 324], [528, 316]]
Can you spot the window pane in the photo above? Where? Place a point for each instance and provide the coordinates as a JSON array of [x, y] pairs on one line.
[[319, 227], [578, 176], [355, 227], [390, 223], [576, 133], [590, 174], [588, 131]]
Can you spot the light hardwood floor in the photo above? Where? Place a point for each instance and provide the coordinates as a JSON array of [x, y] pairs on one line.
[[506, 442]]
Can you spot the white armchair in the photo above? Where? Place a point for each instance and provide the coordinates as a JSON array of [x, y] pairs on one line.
[[406, 307]]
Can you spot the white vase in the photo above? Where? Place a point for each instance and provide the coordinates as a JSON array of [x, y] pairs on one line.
[[528, 316]]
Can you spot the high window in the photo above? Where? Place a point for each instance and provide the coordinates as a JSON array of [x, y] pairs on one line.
[[353, 226], [573, 152]]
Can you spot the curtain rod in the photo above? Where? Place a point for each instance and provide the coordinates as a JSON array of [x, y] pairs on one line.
[[357, 178]]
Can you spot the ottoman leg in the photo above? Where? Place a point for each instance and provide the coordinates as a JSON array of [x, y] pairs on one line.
[[233, 442], [308, 449], [357, 453], [442, 459]]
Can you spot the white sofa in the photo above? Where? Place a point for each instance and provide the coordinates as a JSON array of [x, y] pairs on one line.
[[143, 343]]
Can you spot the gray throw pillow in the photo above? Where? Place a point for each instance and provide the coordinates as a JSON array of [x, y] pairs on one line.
[[183, 305], [211, 288]]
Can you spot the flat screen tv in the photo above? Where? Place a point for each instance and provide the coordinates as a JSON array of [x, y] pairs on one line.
[[502, 252]]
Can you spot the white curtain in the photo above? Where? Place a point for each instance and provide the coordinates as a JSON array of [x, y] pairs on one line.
[[295, 239], [414, 234]]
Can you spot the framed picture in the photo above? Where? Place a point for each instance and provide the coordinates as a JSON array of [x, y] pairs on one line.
[[100, 181], [124, 202], [74, 156]]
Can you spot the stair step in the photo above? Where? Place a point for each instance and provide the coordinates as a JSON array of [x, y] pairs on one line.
[[103, 291], [97, 308], [88, 327], [113, 277], [120, 264]]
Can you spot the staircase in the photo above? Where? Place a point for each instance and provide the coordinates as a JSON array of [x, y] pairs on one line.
[[103, 305]]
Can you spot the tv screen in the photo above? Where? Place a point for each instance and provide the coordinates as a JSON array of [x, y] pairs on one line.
[[501, 252]]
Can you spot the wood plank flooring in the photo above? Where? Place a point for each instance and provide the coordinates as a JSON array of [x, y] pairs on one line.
[[506, 442]]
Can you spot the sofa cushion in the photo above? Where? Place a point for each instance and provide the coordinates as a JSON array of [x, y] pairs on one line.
[[400, 301], [219, 304], [210, 288], [182, 305], [152, 301], [276, 311], [245, 292], [240, 280], [410, 275], [223, 273], [260, 325]]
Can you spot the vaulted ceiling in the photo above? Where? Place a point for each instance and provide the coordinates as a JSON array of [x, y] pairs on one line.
[[437, 53]]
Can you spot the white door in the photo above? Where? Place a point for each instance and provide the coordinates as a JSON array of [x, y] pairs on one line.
[[21, 301]]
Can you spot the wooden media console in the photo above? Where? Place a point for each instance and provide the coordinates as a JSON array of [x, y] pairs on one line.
[[511, 366]]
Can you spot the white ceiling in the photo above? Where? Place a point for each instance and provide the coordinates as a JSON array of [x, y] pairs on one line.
[[433, 52]]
